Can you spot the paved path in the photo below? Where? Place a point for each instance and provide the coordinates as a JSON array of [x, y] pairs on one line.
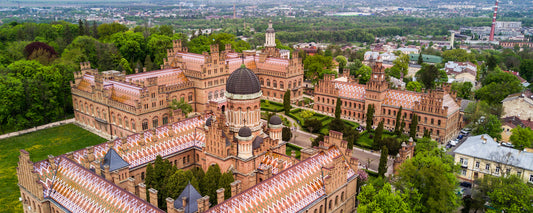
[[37, 128]]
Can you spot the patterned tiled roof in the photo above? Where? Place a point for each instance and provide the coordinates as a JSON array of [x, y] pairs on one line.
[[289, 191], [271, 159], [165, 77], [80, 190], [350, 90], [403, 98]]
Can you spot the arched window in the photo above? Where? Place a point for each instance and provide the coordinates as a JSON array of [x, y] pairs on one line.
[[275, 83], [98, 113], [190, 97], [262, 82], [145, 124], [289, 85], [336, 200], [330, 204], [183, 159], [155, 122], [165, 119], [210, 96], [133, 124], [216, 94], [281, 85], [320, 209], [119, 120], [342, 197], [126, 123], [268, 82]]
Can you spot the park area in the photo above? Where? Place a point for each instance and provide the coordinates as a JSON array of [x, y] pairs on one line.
[[300, 115], [54, 141]]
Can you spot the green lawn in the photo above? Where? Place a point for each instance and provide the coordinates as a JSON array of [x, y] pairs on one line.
[[54, 141], [290, 147], [322, 118], [271, 106]]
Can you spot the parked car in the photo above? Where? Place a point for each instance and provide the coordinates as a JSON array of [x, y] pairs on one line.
[[460, 137], [453, 142], [508, 144], [466, 184]]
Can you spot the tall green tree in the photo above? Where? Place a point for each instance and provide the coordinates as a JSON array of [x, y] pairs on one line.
[[363, 74], [287, 102], [81, 31], [185, 107], [286, 134], [522, 137], [428, 75], [342, 62], [378, 136], [382, 169], [398, 124], [211, 182], [400, 66], [420, 59], [413, 126], [225, 180], [432, 175], [369, 117], [338, 109]]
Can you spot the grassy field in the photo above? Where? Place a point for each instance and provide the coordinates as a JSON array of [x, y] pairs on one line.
[[290, 147], [54, 141], [271, 106]]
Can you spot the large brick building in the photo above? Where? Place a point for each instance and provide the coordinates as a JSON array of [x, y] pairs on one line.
[[109, 177], [437, 110], [116, 105]]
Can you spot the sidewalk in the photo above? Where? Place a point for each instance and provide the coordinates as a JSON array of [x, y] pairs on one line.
[[37, 128]]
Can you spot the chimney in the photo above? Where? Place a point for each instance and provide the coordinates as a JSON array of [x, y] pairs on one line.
[[144, 69], [233, 188], [131, 185], [280, 165], [170, 205], [484, 139], [107, 174], [220, 195], [142, 191], [136, 70], [184, 201], [153, 196]]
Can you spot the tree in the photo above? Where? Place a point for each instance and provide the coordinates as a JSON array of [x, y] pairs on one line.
[[81, 31], [382, 169], [413, 126], [393, 145], [185, 107], [504, 193], [384, 200], [125, 66], [225, 180], [338, 108], [286, 133], [33, 47], [211, 182], [342, 62], [428, 74], [355, 66], [337, 125], [317, 140], [432, 175], [420, 59], [491, 125], [148, 63], [458, 55], [313, 125], [363, 74], [398, 123], [287, 102], [463, 89], [378, 136], [425, 145], [305, 114], [414, 86], [369, 117], [400, 66], [522, 137], [526, 69], [497, 85]]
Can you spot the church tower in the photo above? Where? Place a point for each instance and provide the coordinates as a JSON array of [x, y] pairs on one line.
[[270, 42], [376, 87], [270, 36], [243, 93]]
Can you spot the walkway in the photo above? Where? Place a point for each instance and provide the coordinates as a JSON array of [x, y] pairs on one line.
[[37, 128]]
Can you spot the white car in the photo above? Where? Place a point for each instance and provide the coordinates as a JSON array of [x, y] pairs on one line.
[[454, 142]]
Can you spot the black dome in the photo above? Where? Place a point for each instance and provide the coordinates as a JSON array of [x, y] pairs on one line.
[[209, 121], [243, 81], [275, 120], [245, 132]]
